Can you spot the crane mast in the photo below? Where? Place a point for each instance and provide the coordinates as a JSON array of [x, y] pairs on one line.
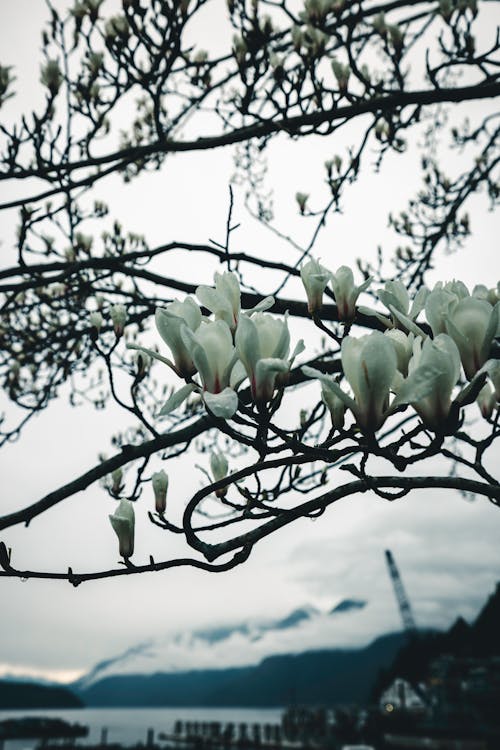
[[401, 596]]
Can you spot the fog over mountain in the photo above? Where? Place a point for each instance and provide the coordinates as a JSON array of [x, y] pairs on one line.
[[348, 623]]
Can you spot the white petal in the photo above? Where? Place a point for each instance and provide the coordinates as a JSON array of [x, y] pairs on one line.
[[222, 404], [176, 399], [264, 304]]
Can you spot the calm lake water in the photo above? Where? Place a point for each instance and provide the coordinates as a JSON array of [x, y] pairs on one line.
[[130, 725]]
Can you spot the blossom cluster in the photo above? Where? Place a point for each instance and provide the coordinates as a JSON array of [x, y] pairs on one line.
[[419, 363], [216, 354], [408, 362]]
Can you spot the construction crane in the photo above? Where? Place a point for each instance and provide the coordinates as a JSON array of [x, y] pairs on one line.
[[401, 597]]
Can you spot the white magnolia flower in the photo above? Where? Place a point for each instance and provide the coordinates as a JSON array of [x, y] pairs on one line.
[[346, 292], [159, 480], [369, 364], [370, 367], [169, 322], [123, 523], [315, 278], [438, 305], [403, 346], [214, 356], [212, 350], [441, 356], [263, 343], [473, 324], [403, 311], [224, 301]]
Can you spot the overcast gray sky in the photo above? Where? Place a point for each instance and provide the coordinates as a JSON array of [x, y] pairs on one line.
[[447, 547]]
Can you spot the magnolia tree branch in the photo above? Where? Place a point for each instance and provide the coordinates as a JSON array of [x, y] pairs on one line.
[[243, 544], [407, 372]]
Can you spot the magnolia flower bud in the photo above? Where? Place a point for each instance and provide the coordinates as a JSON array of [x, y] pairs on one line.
[[96, 320], [341, 73], [396, 36], [380, 25], [301, 199], [116, 479], [335, 405], [382, 130], [143, 362], [5, 80], [446, 9], [240, 49], [297, 38], [346, 292], [219, 468], [494, 375], [116, 26], [118, 315], [486, 401], [159, 481], [315, 278], [123, 523], [51, 76]]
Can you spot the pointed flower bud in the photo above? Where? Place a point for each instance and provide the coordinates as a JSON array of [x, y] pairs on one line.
[[315, 278], [123, 523], [118, 314], [346, 293], [494, 375], [143, 362], [51, 76], [96, 320], [335, 405], [116, 480], [342, 73], [219, 468], [486, 401], [301, 199], [159, 480]]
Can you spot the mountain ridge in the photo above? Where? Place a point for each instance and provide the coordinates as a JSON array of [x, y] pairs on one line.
[[324, 675]]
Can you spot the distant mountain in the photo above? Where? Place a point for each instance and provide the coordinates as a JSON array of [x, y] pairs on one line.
[[351, 623], [15, 694], [311, 678], [347, 605]]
